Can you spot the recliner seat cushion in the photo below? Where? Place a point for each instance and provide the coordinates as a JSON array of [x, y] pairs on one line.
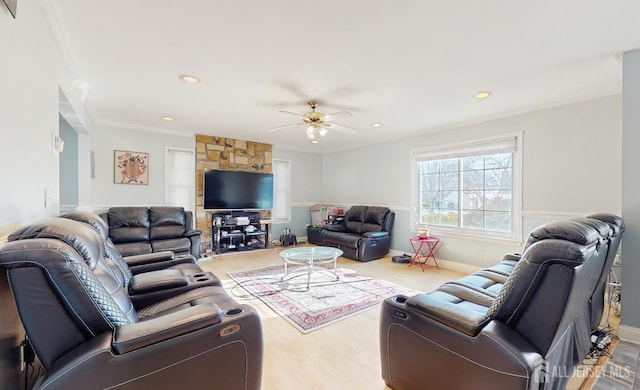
[[177, 245], [134, 248], [199, 296], [340, 239]]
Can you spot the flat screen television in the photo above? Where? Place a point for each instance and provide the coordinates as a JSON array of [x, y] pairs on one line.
[[237, 190]]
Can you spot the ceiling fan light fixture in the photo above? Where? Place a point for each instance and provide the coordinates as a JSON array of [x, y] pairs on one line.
[[316, 124]]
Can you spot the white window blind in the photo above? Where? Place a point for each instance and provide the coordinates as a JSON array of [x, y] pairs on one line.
[[469, 188], [179, 174], [281, 190]]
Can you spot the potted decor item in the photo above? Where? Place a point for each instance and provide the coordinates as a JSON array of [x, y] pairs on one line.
[[423, 231], [422, 227]]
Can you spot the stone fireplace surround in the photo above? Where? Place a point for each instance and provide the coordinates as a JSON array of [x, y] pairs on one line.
[[230, 155]]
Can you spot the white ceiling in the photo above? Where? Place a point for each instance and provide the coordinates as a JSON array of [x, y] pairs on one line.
[[412, 65]]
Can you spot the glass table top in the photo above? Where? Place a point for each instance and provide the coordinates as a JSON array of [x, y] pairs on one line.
[[310, 253]]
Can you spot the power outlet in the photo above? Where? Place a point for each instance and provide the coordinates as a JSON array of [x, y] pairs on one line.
[[23, 365]]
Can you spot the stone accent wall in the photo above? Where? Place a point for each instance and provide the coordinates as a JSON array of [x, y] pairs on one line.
[[226, 154]]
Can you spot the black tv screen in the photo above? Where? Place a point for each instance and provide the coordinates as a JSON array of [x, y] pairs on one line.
[[237, 190]]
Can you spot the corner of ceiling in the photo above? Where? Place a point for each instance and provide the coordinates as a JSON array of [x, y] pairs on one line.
[[75, 90]]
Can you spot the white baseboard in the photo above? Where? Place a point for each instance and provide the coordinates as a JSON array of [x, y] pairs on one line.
[[447, 264], [459, 267], [629, 334]]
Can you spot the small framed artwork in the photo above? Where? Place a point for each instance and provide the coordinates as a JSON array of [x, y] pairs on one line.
[[12, 5], [130, 167]]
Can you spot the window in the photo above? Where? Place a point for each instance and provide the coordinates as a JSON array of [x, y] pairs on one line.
[[179, 172], [471, 188], [281, 211]]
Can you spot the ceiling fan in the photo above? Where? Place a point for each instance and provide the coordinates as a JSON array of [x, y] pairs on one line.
[[318, 124]]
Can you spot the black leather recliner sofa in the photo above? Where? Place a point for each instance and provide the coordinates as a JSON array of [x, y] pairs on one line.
[[524, 323], [77, 305], [140, 230], [364, 235]]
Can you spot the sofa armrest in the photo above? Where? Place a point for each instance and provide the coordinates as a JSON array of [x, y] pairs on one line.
[[464, 320], [376, 234], [194, 232], [157, 280], [137, 335], [149, 258], [512, 256]]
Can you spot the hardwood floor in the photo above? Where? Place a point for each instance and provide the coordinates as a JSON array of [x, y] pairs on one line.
[[344, 355]]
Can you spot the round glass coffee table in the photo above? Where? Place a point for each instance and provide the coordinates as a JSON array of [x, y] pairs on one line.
[[309, 256]]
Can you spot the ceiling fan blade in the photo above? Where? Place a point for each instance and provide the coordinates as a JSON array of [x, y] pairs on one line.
[[286, 126], [292, 113], [343, 128], [339, 114]]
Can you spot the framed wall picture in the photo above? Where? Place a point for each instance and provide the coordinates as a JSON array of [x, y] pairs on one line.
[[12, 5], [130, 167]]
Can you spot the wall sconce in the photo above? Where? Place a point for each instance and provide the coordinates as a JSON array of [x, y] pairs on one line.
[[57, 144]]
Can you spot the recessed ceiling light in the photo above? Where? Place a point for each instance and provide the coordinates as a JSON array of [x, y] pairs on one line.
[[167, 118], [482, 94], [189, 79], [376, 124]]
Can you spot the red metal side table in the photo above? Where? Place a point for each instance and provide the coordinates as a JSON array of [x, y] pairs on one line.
[[423, 248]]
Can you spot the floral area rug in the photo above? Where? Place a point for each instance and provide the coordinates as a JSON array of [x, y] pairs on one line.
[[326, 301]]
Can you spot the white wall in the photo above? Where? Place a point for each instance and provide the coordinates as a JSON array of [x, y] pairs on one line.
[[105, 140], [29, 110], [571, 166], [306, 176], [631, 200], [68, 166], [306, 182]]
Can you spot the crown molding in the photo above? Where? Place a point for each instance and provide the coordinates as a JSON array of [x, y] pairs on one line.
[[52, 13], [150, 129]]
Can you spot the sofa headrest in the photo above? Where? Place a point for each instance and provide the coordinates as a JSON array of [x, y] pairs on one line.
[[120, 217], [97, 223], [570, 253], [616, 223], [357, 213], [364, 219], [167, 216], [376, 215], [579, 231], [84, 239]]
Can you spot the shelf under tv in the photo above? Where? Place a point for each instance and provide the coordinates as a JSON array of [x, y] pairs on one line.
[[238, 231]]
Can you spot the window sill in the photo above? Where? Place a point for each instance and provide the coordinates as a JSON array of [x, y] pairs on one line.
[[476, 237]]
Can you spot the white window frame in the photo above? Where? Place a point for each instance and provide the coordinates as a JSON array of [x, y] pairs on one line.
[[168, 176], [285, 216], [477, 147]]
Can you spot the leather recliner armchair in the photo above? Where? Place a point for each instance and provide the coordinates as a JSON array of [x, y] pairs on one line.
[[140, 230], [364, 235], [522, 324], [87, 333]]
